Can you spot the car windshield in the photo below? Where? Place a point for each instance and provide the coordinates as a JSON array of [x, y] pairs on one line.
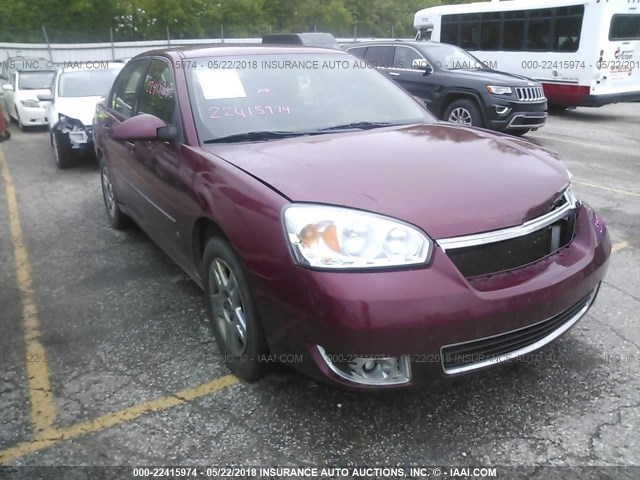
[[87, 83], [35, 80], [294, 94], [449, 57]]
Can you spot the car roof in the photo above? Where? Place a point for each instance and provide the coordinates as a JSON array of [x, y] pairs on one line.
[[225, 50], [411, 43]]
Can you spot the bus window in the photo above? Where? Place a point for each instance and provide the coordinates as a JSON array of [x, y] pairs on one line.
[[539, 30], [513, 33], [625, 27], [449, 32], [470, 32], [490, 39], [567, 27]]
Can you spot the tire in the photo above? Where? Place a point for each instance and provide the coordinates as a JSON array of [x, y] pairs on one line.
[[117, 219], [466, 112], [20, 125], [232, 310], [519, 133], [61, 150]]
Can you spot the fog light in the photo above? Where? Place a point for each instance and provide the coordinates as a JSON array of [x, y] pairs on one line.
[[502, 110], [368, 370]]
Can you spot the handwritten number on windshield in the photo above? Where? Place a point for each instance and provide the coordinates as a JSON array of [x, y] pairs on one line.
[[256, 110]]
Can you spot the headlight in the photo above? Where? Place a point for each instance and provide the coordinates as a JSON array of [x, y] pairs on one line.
[[342, 238], [498, 90], [68, 124], [30, 103]]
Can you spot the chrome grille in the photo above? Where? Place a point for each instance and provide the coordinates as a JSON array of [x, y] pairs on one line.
[[530, 94]]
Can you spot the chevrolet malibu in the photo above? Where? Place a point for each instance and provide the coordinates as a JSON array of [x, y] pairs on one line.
[[334, 224]]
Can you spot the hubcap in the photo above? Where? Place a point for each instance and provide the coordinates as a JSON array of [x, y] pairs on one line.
[[460, 115], [227, 307], [107, 192]]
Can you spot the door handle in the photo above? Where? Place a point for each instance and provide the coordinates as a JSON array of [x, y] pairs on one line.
[[130, 145], [394, 74]]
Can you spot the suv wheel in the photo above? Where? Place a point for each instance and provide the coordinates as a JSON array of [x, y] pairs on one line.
[[464, 112]]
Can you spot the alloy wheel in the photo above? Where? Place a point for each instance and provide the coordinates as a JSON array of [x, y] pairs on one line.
[[227, 306], [460, 115], [107, 192]]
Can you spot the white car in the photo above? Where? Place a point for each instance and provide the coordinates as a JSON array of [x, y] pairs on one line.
[[72, 103], [21, 97]]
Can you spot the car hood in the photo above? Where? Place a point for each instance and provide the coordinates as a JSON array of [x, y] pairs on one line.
[[31, 94], [80, 108], [500, 78], [446, 179]]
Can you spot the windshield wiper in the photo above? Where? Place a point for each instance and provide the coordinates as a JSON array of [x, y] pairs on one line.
[[360, 126], [255, 136]]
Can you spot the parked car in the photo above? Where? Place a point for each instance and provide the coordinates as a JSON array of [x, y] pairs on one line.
[[458, 87], [25, 64], [334, 224], [71, 105], [323, 40], [21, 97]]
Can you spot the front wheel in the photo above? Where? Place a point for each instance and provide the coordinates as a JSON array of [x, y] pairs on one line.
[[61, 150], [464, 112], [232, 310]]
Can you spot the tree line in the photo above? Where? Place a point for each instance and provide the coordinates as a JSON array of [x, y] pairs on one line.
[[70, 21]]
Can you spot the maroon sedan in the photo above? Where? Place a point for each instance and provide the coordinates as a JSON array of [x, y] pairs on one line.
[[335, 225]]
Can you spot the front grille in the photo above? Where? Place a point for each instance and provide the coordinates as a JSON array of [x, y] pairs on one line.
[[486, 351], [515, 252], [530, 94]]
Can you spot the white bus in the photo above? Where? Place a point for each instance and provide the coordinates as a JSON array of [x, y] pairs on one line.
[[584, 52]]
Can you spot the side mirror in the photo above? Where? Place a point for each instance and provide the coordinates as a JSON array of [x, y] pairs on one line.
[[45, 97], [7, 87], [144, 127], [421, 64]]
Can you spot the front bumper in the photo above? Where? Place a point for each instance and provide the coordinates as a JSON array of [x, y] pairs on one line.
[[80, 137], [417, 313], [517, 116], [600, 100], [32, 116]]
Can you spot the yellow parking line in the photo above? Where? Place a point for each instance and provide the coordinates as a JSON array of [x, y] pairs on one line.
[[616, 247], [43, 409], [602, 187], [112, 419]]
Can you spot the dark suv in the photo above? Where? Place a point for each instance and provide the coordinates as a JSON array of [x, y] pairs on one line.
[[458, 87]]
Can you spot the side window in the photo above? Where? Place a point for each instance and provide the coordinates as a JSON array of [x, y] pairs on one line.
[[513, 31], [490, 38], [404, 56], [158, 92], [359, 52], [470, 31], [449, 33], [123, 94], [380, 57], [539, 29]]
